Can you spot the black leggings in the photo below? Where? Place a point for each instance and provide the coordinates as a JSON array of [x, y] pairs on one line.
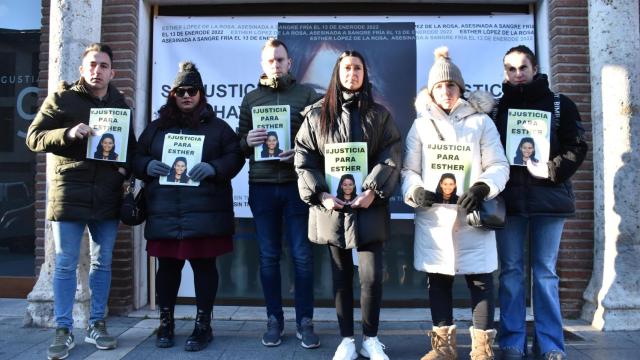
[[370, 272], [205, 279], [441, 299]]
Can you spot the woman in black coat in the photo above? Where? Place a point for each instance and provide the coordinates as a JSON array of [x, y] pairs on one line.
[[192, 223], [347, 113]]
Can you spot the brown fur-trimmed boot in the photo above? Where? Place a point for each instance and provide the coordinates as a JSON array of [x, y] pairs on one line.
[[443, 343], [481, 342]]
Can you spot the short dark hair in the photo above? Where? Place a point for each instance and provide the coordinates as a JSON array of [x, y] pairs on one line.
[[99, 48], [524, 50], [274, 43]]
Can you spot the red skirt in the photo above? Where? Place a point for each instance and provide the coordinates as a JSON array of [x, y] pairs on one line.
[[190, 248]]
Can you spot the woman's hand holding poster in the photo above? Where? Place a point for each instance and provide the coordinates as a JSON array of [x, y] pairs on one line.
[[345, 168], [181, 152], [110, 136], [277, 120], [528, 136]]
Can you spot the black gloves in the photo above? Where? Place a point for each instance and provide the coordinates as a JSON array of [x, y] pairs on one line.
[[157, 168], [201, 171], [423, 197], [472, 199]]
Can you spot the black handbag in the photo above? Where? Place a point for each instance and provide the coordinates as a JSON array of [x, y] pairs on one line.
[[491, 215], [133, 209]]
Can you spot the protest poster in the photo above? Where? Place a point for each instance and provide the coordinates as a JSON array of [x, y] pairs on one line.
[[345, 168], [181, 152], [449, 171], [110, 137], [528, 136], [277, 120], [314, 43]]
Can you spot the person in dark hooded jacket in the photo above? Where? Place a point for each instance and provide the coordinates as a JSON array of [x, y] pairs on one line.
[[538, 197], [194, 223], [348, 113], [81, 193]]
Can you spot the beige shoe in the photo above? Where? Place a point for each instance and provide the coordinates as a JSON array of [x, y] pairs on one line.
[[481, 342], [443, 343]]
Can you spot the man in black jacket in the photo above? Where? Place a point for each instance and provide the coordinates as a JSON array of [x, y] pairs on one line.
[[538, 197], [81, 193], [273, 196]]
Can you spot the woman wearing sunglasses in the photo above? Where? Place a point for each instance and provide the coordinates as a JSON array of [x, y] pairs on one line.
[[192, 223]]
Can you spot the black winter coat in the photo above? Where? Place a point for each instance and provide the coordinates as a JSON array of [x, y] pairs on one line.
[[79, 189], [187, 212], [349, 229], [524, 194]]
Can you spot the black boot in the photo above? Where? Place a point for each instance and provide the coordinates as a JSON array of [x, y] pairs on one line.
[[164, 336], [202, 333]]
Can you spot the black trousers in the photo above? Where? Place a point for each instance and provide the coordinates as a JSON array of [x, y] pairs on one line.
[[441, 298], [370, 272], [205, 279]]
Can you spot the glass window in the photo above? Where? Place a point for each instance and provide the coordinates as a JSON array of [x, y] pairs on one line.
[[19, 61]]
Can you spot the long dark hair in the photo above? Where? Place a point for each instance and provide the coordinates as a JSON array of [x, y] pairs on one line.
[[172, 173], [170, 114], [265, 148], [440, 195], [519, 159], [112, 154], [340, 193], [332, 105]]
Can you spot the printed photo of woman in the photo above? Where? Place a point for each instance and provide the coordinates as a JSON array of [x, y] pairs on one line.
[[271, 147], [447, 189], [106, 148], [179, 170], [526, 150], [346, 188]]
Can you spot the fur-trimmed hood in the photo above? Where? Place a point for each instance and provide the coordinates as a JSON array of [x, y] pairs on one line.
[[478, 102], [78, 86]]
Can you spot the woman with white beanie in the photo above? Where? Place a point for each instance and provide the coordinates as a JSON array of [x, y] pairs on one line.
[[452, 134]]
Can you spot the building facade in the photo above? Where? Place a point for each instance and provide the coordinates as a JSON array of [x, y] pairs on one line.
[[562, 39]]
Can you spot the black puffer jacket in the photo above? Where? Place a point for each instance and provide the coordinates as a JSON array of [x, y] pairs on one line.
[[524, 194], [349, 229], [186, 212], [79, 189], [283, 91]]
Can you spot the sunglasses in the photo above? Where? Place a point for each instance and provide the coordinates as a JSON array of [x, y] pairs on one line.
[[181, 91]]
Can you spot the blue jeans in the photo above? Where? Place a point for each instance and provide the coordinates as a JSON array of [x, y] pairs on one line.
[[544, 233], [67, 236], [270, 205]]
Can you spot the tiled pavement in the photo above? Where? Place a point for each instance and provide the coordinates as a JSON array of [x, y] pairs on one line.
[[237, 336]]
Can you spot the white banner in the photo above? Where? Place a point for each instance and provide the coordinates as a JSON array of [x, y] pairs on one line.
[[226, 50]]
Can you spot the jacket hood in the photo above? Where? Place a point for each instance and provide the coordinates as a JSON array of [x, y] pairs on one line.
[[536, 89], [63, 85], [79, 87], [277, 83], [207, 114], [479, 101]]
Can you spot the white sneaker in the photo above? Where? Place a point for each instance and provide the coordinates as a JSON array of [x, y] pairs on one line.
[[346, 350], [373, 349]]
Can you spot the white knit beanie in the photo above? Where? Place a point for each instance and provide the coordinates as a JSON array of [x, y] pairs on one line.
[[444, 70]]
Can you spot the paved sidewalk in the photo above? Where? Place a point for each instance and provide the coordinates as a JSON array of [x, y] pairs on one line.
[[236, 338]]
